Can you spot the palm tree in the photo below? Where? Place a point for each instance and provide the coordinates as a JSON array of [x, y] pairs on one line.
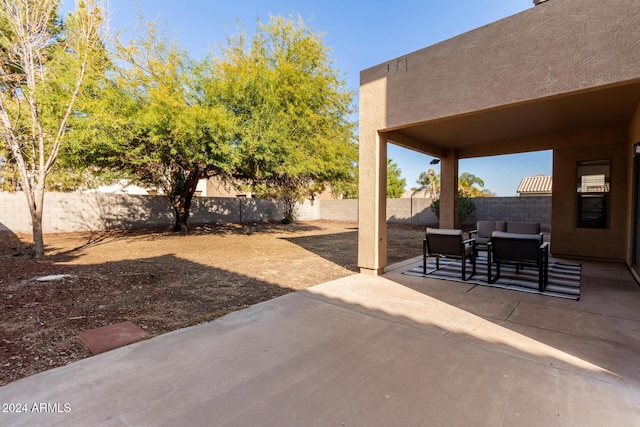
[[430, 182], [467, 182]]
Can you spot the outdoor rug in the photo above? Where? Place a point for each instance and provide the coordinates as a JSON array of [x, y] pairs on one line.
[[564, 279]]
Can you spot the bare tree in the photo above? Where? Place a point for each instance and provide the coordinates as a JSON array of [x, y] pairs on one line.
[[43, 67]]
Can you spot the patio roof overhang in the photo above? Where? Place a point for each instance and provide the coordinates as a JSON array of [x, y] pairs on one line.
[[521, 127], [563, 75]]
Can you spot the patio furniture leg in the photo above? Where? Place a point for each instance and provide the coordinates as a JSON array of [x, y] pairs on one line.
[[544, 275], [497, 276], [543, 263], [546, 267], [489, 263], [424, 256], [473, 263], [541, 278]]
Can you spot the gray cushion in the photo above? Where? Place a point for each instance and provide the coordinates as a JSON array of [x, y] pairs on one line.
[[523, 227], [485, 228], [482, 240], [537, 237], [444, 231]]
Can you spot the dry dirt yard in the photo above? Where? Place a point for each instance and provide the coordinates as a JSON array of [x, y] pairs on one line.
[[160, 281]]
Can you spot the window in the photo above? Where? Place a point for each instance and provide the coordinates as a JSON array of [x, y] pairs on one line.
[[593, 188]]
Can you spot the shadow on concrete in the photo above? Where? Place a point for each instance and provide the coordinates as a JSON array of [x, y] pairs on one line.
[[601, 329], [361, 351]]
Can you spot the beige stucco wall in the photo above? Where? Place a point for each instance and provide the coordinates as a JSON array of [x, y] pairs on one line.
[[634, 137], [512, 61], [563, 75], [372, 198], [634, 127], [569, 240]]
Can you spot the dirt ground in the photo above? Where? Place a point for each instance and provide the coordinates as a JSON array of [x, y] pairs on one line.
[[159, 280]]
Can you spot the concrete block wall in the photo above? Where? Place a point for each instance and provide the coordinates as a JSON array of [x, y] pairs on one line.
[[411, 211], [14, 216], [338, 210], [417, 211], [206, 210], [521, 209], [260, 210], [65, 212], [308, 211]]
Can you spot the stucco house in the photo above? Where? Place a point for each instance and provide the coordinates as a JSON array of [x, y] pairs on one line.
[[563, 75]]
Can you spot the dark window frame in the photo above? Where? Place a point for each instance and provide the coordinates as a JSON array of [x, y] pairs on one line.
[[593, 192]]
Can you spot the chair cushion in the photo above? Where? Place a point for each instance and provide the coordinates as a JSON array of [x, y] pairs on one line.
[[519, 236], [482, 241], [523, 227], [485, 228], [444, 231]]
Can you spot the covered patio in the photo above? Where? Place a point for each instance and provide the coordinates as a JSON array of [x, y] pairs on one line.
[[562, 76]]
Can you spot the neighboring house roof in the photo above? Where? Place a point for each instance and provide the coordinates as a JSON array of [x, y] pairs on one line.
[[537, 184]]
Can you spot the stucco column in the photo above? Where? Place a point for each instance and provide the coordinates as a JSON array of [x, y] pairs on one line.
[[449, 190], [372, 205]]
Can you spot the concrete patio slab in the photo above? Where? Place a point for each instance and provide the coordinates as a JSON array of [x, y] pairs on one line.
[[359, 351]]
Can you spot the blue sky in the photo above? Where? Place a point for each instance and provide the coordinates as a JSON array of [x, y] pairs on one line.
[[361, 34]]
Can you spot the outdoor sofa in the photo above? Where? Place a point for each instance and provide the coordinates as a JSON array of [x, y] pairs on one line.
[[484, 229]]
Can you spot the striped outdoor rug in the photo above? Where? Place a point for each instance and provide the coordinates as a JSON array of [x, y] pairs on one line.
[[564, 279]]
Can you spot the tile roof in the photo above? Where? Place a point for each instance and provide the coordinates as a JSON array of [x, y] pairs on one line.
[[537, 184]]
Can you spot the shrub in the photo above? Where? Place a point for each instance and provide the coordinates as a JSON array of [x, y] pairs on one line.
[[466, 206]]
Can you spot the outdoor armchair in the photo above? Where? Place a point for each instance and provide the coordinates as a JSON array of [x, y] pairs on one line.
[[521, 250], [448, 243]]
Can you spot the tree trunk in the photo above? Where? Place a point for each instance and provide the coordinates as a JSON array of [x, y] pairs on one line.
[[38, 241], [182, 202], [34, 193], [36, 215]]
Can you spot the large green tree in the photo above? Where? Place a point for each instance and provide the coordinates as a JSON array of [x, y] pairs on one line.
[[271, 113], [157, 119], [293, 130], [395, 182], [44, 66]]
